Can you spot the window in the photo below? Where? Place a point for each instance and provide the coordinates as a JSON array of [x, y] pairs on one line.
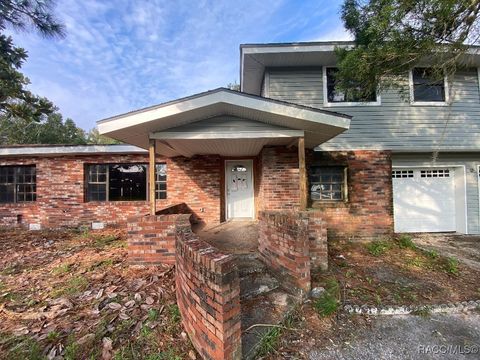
[[398, 174], [161, 181], [350, 96], [18, 184], [123, 182], [327, 183], [425, 88], [435, 173]]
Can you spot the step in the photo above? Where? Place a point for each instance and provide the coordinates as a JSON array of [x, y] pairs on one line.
[[268, 308], [257, 283]]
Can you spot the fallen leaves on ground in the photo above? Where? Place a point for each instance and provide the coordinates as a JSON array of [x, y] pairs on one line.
[[67, 294]]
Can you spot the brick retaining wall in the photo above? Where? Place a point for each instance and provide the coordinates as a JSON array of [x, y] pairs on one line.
[[287, 240], [208, 296], [151, 238]]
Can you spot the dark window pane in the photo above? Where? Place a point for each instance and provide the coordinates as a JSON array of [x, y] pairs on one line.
[[17, 184], [128, 182], [96, 192], [7, 193], [425, 87], [352, 94]]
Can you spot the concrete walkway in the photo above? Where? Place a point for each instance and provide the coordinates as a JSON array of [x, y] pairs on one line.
[[465, 248], [234, 237], [411, 337]]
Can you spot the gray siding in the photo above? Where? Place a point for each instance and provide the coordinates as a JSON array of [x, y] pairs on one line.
[[471, 161], [395, 124]]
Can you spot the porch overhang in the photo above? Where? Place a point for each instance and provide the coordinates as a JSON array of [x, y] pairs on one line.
[[170, 125]]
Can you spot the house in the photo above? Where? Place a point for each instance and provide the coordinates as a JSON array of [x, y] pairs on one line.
[[409, 160], [289, 150]]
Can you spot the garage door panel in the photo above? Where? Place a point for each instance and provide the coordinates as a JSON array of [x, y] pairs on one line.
[[424, 200]]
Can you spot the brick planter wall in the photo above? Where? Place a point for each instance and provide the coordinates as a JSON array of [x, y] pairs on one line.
[[208, 296], [287, 240], [368, 212], [61, 191], [151, 238]]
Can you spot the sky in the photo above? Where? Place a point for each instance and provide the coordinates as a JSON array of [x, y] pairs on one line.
[[121, 55]]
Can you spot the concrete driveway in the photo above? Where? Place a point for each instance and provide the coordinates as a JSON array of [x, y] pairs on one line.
[[465, 248], [411, 337]]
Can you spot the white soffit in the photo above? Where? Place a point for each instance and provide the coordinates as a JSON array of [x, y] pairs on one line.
[[136, 127], [46, 150]]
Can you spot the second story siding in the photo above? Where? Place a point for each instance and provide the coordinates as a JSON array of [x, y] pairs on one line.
[[396, 124]]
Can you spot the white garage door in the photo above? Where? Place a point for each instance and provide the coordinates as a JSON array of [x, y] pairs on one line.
[[424, 200]]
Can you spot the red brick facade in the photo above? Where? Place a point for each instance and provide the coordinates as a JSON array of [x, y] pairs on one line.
[[279, 187], [61, 191], [208, 296], [368, 211]]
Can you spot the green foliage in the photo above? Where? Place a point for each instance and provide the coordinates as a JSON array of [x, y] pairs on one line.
[[73, 286], [15, 100], [24, 348], [94, 137], [52, 130], [378, 247], [269, 341], [174, 313], [328, 302], [451, 265], [406, 242], [432, 254], [391, 36]]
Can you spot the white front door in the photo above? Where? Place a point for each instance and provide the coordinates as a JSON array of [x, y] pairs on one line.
[[239, 188], [424, 200]]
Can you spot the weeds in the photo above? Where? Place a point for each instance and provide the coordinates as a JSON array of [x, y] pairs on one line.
[[73, 286], [62, 269], [25, 348], [432, 254], [328, 302], [102, 241], [406, 242], [451, 265], [378, 247]]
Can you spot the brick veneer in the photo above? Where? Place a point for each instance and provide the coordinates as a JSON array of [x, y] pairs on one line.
[[61, 189], [208, 296], [279, 187], [368, 213], [287, 240], [151, 238]]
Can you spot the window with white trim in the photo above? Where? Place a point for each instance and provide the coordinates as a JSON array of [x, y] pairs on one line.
[[426, 88], [350, 95], [328, 183], [18, 184]]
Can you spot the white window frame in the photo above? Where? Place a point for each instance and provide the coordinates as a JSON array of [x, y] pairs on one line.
[[428, 103], [326, 103]]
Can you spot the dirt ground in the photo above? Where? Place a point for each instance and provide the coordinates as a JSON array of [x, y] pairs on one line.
[[71, 294], [400, 274], [466, 248]]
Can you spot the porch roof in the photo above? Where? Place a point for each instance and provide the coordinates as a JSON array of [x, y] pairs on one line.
[[170, 124]]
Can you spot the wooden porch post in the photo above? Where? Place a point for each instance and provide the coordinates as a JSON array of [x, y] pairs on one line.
[[302, 174], [151, 175]]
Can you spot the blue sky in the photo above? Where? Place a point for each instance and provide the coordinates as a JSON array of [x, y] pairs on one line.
[[122, 55]]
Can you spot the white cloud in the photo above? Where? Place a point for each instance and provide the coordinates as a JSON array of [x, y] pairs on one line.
[[121, 55]]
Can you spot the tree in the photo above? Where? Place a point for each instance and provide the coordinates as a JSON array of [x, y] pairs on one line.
[[391, 36], [94, 137], [15, 100], [54, 130]]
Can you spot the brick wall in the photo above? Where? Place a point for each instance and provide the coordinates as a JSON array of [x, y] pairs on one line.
[[151, 238], [208, 296], [317, 238], [368, 213], [61, 188], [279, 187], [284, 244]]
